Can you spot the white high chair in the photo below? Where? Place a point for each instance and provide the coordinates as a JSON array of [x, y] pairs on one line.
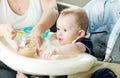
[[75, 64]]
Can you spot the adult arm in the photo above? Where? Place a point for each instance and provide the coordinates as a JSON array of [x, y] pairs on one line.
[[49, 16], [6, 31]]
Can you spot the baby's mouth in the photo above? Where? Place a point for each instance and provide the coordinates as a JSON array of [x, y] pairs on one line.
[[60, 39]]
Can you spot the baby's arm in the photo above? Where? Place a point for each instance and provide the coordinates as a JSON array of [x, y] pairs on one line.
[[71, 49], [65, 50]]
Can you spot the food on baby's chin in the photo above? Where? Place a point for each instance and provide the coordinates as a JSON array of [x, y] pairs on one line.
[[28, 51]]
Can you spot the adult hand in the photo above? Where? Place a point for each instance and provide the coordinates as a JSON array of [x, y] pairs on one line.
[[37, 39], [9, 34]]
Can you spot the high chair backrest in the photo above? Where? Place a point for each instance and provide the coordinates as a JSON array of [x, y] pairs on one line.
[[103, 15], [113, 46]]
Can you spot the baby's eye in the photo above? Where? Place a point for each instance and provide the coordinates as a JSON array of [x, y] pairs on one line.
[[58, 28], [65, 30]]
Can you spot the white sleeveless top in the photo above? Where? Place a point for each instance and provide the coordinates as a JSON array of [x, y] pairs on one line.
[[30, 18]]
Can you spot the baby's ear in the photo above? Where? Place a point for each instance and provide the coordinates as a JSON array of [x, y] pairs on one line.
[[81, 33]]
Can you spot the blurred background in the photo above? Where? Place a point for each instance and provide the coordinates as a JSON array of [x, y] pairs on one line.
[[80, 3]]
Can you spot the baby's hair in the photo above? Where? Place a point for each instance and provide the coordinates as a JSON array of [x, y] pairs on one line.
[[80, 15]]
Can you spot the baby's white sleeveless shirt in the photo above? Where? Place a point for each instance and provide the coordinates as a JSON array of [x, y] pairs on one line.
[[30, 18]]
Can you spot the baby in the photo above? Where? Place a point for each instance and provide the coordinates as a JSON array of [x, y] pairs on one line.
[[71, 30]]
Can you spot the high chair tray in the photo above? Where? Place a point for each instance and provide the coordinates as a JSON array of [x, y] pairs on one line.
[[80, 63]]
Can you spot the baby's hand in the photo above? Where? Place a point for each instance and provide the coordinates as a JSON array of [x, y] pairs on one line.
[[48, 53]]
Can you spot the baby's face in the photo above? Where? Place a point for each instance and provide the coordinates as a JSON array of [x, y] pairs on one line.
[[67, 29]]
